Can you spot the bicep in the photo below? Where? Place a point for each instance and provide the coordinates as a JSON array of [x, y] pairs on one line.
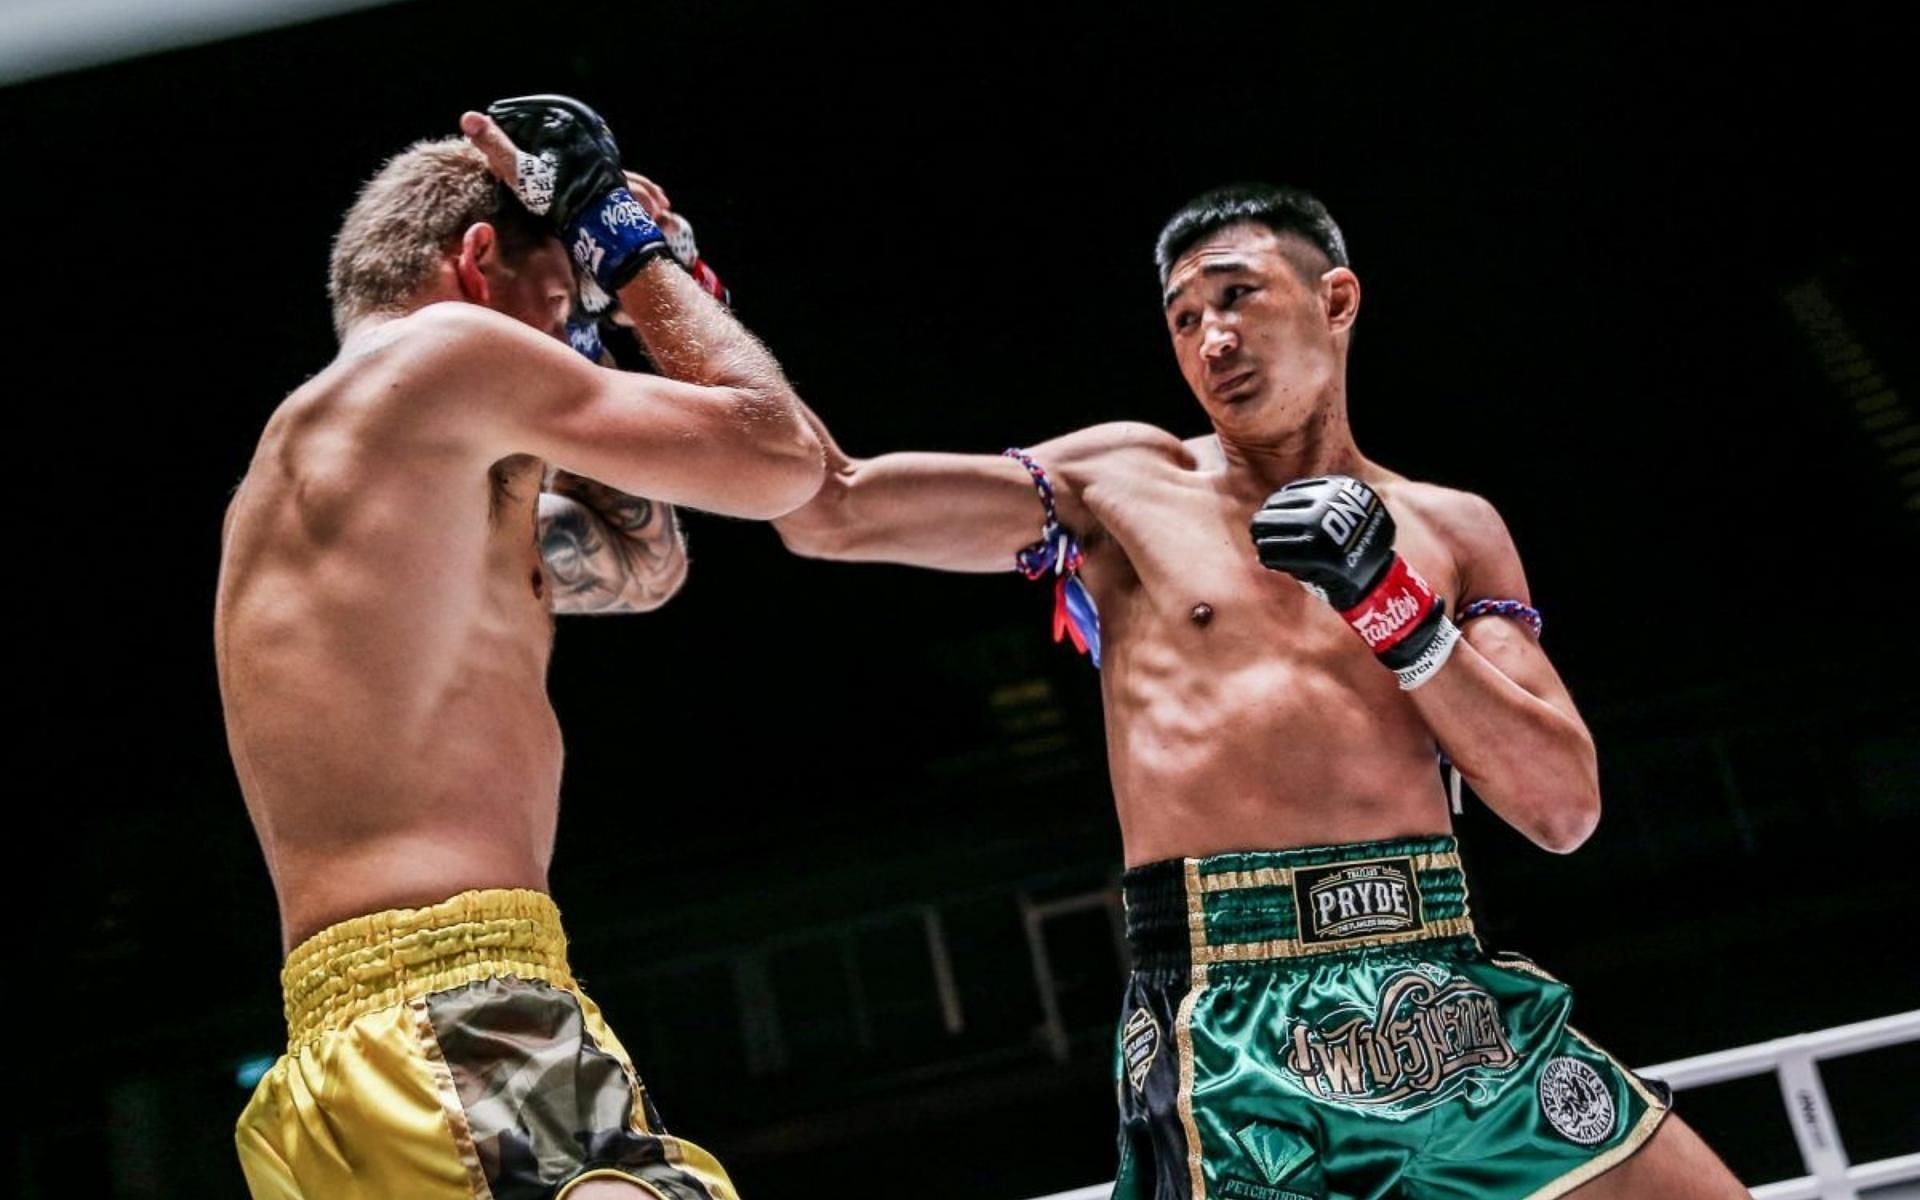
[[680, 443], [1490, 569], [715, 448]]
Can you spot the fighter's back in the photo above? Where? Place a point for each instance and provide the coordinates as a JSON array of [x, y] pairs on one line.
[[382, 643]]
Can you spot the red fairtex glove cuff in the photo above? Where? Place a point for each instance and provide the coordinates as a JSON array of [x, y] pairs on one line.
[[1404, 622]]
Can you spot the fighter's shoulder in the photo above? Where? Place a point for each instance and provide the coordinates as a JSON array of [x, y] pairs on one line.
[[452, 356], [1468, 524], [1117, 442], [1461, 512], [453, 334]]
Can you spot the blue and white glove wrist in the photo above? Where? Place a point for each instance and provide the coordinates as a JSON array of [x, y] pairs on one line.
[[584, 337], [612, 239]]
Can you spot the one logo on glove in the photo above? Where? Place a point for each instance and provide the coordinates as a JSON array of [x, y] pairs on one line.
[[1393, 609], [1139, 1044], [1419, 1044], [1356, 900], [1576, 1101], [1352, 518]]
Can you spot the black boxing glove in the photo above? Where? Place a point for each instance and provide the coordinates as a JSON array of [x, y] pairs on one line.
[[569, 172], [1335, 536]]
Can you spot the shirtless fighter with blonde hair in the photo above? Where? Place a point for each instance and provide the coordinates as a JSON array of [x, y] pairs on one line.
[[383, 623]]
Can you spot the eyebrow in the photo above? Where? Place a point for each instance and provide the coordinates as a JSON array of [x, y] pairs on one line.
[[1229, 267]]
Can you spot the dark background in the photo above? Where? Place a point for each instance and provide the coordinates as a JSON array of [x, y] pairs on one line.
[[1641, 279]]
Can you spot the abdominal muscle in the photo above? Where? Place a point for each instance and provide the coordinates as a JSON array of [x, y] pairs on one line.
[[1272, 729]]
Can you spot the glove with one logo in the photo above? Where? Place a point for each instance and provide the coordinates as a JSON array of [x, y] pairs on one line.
[[1334, 535]]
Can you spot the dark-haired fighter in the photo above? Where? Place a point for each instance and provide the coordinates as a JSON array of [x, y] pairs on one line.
[[1310, 1013], [383, 624]]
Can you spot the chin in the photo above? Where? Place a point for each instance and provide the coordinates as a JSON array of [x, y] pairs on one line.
[[1260, 419], [1244, 405]]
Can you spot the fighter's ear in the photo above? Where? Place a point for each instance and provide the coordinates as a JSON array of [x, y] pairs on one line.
[[1340, 288], [479, 246]]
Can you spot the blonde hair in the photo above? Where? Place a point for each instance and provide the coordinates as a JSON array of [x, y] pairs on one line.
[[413, 210]]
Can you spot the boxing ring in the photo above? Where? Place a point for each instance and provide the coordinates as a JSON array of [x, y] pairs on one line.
[[1795, 1063]]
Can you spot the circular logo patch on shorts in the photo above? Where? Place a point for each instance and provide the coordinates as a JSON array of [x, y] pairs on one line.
[[1576, 1101]]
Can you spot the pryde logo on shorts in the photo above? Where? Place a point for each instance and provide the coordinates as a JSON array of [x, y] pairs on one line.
[[1419, 1044], [1576, 1101], [1360, 899], [1139, 1044]]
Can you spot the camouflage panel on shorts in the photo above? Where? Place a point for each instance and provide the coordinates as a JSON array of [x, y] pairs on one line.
[[543, 1100]]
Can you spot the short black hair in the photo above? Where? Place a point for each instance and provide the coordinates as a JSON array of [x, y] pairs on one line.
[[1281, 209]]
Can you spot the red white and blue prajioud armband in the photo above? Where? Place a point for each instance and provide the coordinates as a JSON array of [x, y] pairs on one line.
[[1513, 610], [1058, 553]]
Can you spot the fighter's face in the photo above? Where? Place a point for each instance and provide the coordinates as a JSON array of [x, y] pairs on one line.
[[1255, 340], [537, 288]]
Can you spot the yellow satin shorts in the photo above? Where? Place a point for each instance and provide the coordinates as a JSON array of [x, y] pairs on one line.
[[445, 1053]]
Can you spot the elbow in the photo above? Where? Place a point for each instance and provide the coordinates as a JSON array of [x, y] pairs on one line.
[[814, 530], [1569, 796], [1568, 824], [1572, 811], [793, 462], [804, 538], [788, 484]]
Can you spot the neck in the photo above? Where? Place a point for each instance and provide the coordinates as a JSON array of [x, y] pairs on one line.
[[1320, 445]]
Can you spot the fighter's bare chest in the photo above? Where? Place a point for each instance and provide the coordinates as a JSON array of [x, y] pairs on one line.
[[1186, 556]]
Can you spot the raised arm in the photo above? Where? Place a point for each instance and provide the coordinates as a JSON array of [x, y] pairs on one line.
[[727, 450], [724, 430], [953, 512]]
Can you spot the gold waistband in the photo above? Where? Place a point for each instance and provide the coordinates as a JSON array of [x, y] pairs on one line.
[[369, 963]]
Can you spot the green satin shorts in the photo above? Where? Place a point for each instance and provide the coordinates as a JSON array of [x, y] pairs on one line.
[[1323, 1023]]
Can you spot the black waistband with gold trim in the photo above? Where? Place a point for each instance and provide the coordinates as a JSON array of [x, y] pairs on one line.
[[1256, 906]]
